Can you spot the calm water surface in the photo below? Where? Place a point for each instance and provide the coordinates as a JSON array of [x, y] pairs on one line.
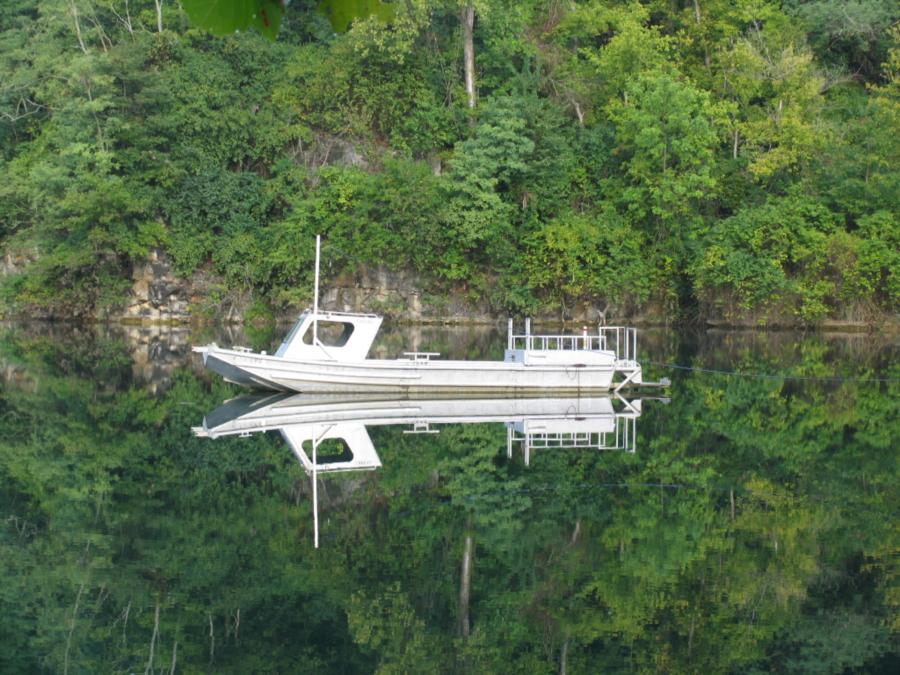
[[748, 525]]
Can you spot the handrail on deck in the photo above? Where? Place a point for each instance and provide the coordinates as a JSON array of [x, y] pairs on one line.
[[621, 340], [558, 342], [328, 312], [420, 356]]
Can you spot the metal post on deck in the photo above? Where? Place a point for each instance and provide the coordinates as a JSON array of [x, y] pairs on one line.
[[316, 296], [509, 334], [528, 333]]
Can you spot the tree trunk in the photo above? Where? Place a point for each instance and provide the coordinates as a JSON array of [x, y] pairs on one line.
[[579, 113], [467, 17], [212, 638], [158, 4], [149, 668], [72, 629], [73, 9], [465, 581], [127, 20]]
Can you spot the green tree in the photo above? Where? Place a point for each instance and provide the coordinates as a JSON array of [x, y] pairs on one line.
[[667, 137]]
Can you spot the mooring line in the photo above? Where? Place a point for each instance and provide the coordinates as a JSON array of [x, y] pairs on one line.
[[767, 376]]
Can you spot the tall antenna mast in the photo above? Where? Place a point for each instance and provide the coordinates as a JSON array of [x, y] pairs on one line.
[[316, 293]]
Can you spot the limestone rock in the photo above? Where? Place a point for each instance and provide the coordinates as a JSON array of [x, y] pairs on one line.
[[156, 293]]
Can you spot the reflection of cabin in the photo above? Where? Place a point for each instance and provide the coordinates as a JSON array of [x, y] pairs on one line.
[[357, 452]]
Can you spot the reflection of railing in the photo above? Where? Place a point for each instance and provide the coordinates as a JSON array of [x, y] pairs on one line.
[[615, 432]]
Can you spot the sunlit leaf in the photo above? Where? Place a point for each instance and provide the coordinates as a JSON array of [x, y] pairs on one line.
[[222, 17], [342, 13]]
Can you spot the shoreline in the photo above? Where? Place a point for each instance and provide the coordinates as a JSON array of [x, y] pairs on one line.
[[825, 326]]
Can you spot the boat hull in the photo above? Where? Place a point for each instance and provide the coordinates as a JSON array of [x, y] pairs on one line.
[[404, 376]]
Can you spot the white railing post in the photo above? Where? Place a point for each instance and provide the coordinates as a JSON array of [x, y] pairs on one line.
[[509, 334]]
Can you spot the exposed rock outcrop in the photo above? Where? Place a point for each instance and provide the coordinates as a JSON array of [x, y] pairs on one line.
[[399, 295], [327, 150], [156, 294]]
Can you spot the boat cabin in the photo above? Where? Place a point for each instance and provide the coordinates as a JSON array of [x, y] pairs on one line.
[[330, 336]]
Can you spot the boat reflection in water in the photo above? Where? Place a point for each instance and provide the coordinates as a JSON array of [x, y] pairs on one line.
[[306, 421]]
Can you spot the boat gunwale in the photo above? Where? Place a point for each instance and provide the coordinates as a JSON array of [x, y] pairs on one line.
[[270, 360]]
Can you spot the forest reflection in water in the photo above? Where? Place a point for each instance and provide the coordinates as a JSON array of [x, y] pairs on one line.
[[753, 529], [330, 433]]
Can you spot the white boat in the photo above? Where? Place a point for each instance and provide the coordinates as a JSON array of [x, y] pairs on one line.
[[561, 364], [327, 352]]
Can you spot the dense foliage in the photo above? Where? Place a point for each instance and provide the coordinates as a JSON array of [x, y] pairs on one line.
[[754, 530], [730, 158]]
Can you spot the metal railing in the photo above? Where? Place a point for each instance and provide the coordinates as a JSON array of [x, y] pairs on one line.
[[557, 342], [618, 339], [621, 340], [421, 356], [328, 312]]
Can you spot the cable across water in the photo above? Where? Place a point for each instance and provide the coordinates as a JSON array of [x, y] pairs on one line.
[[768, 376]]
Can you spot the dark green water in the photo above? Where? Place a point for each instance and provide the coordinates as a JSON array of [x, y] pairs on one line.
[[753, 530]]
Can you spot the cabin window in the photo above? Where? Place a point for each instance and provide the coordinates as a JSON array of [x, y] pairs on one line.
[[329, 451], [331, 333]]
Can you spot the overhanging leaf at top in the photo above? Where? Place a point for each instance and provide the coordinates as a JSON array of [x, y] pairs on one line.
[[222, 17], [342, 13]]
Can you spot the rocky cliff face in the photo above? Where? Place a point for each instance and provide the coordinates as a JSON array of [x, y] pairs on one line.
[[157, 294], [400, 295]]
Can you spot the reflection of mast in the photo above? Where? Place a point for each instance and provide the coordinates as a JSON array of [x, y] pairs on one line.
[[315, 473], [355, 441]]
